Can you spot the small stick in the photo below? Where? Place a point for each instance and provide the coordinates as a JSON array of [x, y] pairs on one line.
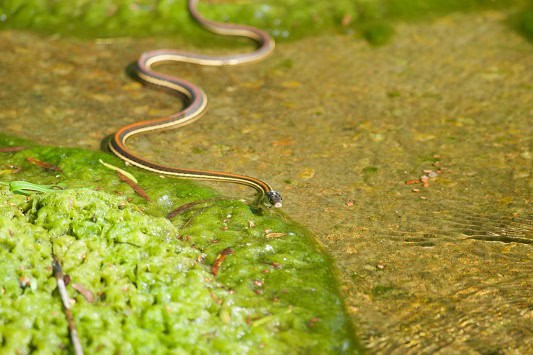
[[139, 190], [58, 272]]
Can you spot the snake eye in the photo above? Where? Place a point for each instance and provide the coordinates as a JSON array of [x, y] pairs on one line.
[[274, 198]]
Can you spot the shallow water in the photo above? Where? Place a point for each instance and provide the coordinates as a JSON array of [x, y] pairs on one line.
[[338, 127]]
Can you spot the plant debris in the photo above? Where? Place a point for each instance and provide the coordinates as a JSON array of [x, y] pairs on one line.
[[138, 190], [58, 272], [25, 188], [44, 164], [88, 295], [428, 174], [219, 259], [123, 172], [275, 235], [11, 170], [11, 149], [187, 206]]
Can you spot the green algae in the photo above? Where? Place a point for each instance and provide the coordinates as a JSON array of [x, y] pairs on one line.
[[522, 22], [152, 277], [372, 19]]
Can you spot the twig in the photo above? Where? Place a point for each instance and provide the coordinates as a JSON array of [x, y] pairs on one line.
[[138, 190], [58, 272]]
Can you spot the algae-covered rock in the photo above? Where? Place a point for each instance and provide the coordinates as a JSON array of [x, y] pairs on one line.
[[221, 276], [282, 19]]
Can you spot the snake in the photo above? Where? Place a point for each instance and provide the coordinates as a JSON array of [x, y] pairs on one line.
[[195, 101]]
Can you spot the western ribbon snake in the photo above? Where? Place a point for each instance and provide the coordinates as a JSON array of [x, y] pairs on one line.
[[195, 101]]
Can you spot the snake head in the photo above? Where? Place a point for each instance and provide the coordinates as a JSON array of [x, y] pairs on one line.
[[274, 198]]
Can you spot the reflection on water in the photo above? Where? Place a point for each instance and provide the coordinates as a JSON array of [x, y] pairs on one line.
[[339, 127]]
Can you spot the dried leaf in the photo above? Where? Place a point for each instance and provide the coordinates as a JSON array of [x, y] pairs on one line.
[[11, 149], [44, 165], [275, 235], [10, 171], [220, 258]]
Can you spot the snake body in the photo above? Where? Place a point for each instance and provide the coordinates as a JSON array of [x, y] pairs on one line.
[[195, 101]]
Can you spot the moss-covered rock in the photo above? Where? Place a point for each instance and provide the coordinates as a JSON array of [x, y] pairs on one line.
[[159, 284], [283, 19]]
